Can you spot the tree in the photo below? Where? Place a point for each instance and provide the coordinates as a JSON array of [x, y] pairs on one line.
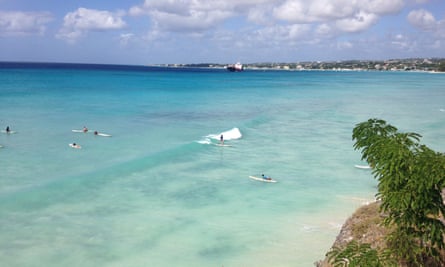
[[356, 255], [410, 181], [441, 66]]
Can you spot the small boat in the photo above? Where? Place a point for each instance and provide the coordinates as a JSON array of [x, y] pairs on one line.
[[235, 67]]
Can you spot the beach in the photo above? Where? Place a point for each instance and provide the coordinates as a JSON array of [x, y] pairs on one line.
[[159, 192]]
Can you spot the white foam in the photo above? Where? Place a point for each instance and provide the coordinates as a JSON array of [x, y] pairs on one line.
[[205, 141], [231, 134]]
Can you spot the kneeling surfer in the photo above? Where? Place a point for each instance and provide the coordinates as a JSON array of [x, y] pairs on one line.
[[265, 177]]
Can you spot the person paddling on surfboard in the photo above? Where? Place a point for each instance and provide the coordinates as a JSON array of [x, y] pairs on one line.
[[85, 129], [265, 177], [74, 145]]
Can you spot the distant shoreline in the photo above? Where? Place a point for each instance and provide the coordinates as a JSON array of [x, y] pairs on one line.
[[413, 64], [436, 65]]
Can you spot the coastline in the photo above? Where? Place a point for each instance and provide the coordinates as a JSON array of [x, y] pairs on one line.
[[403, 65], [363, 226], [222, 67]]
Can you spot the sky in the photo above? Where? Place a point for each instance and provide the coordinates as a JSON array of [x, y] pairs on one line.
[[141, 32]]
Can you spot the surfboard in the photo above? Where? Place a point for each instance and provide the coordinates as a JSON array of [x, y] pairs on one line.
[[262, 179], [99, 134], [10, 132], [74, 146], [222, 145], [362, 166], [104, 134]]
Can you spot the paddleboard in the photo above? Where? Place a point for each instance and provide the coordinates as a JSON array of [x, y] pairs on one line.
[[104, 134], [74, 146], [10, 132], [222, 145], [262, 179], [362, 166]]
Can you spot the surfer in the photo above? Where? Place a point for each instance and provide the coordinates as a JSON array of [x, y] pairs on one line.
[[85, 129], [96, 133], [7, 129], [265, 177], [74, 145], [221, 139]]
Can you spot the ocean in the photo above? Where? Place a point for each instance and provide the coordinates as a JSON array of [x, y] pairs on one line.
[[159, 192]]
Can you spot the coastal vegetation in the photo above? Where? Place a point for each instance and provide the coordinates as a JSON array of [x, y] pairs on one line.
[[409, 64], [410, 207], [441, 66]]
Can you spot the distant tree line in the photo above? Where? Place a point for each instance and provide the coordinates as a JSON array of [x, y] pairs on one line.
[[442, 66]]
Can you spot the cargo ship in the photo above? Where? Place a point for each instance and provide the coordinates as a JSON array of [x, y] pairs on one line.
[[235, 67]]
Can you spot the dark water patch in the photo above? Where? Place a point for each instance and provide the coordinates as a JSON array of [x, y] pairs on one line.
[[90, 66], [86, 185], [223, 249]]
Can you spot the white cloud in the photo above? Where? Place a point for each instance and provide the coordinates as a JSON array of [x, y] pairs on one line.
[[196, 20], [441, 29], [346, 15], [422, 19], [23, 23], [400, 41], [382, 7], [260, 15], [344, 45], [301, 11], [282, 23], [184, 16], [203, 15], [125, 38], [360, 22], [282, 34], [325, 31], [78, 23], [331, 10]]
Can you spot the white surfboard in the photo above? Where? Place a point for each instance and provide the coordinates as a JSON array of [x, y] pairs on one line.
[[79, 131], [262, 179], [222, 145], [362, 166], [10, 132], [104, 134], [75, 146]]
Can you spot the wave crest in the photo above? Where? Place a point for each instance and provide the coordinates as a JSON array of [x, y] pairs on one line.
[[231, 134]]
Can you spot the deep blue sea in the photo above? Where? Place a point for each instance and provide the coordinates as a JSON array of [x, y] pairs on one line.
[[159, 192]]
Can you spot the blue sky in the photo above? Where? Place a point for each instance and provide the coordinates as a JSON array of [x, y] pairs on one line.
[[219, 31]]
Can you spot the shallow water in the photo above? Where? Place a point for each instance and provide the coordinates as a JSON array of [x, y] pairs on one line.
[[160, 193]]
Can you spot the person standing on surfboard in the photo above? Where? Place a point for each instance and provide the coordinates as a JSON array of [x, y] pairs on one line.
[[221, 139], [7, 129]]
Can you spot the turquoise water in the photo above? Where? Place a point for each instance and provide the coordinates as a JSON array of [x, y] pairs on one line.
[[160, 193]]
